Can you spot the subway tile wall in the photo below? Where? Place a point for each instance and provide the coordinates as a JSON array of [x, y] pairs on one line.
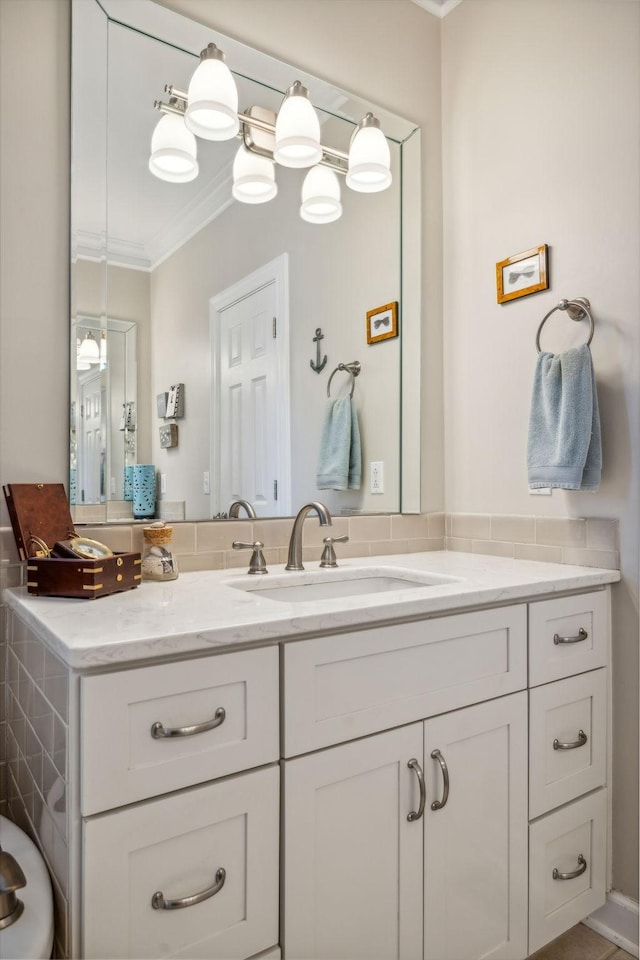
[[36, 751], [588, 543]]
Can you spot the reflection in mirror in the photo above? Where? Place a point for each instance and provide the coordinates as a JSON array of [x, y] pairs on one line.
[[235, 302], [103, 409]]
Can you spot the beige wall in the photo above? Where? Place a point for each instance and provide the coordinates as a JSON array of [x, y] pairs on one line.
[[541, 115], [34, 241]]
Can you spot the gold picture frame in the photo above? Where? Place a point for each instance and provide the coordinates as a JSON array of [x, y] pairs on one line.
[[522, 274], [382, 322]]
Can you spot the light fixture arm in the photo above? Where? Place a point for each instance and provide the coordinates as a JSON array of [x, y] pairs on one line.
[[336, 160]]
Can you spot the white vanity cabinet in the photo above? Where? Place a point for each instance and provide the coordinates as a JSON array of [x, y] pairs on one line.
[[441, 801], [429, 787], [368, 853], [569, 639], [192, 870]]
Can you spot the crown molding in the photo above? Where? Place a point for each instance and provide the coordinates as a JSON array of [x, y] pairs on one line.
[[439, 8]]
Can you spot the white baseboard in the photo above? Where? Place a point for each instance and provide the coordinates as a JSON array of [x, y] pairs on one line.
[[617, 920]]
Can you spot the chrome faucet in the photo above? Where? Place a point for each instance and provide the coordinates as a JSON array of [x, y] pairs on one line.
[[294, 559], [234, 509]]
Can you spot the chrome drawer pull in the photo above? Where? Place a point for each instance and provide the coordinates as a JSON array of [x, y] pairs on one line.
[[439, 804], [582, 635], [160, 732], [416, 814], [573, 744], [158, 901], [571, 876]]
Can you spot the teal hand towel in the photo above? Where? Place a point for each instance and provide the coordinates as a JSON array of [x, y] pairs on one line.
[[339, 463], [564, 446], [355, 451]]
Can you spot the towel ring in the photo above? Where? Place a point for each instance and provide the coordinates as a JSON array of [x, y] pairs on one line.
[[353, 369], [578, 309]]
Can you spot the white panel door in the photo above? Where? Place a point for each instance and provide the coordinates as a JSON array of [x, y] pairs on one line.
[[476, 842], [91, 455], [352, 860], [248, 397]]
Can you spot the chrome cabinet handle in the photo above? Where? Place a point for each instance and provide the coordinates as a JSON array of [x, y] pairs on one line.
[[439, 804], [416, 814], [582, 635], [573, 744], [160, 732], [575, 873], [158, 901]]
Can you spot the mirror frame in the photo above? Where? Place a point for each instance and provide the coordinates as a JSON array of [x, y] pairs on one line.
[[172, 28]]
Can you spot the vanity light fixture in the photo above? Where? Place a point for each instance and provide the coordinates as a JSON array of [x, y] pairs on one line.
[[291, 138], [254, 177], [369, 157], [321, 196], [212, 98], [174, 150], [81, 364], [89, 351], [297, 130]]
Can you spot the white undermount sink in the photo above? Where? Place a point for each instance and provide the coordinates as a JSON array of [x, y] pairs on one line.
[[304, 587]]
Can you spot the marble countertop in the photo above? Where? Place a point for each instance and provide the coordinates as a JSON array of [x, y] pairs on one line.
[[204, 612]]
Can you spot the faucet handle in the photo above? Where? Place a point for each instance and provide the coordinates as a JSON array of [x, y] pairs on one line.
[[328, 558], [257, 563]]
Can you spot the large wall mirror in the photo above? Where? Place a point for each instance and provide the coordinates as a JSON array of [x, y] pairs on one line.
[[174, 283]]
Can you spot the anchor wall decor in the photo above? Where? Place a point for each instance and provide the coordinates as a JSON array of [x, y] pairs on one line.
[[319, 364]]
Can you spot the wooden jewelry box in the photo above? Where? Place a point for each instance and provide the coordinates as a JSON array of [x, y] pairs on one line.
[[40, 518]]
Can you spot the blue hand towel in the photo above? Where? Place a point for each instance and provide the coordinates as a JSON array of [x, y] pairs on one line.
[[564, 448], [339, 465]]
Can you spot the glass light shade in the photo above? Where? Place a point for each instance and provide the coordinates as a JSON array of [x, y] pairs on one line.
[[254, 178], [321, 196], [297, 130], [173, 151], [369, 161], [89, 351], [212, 100]]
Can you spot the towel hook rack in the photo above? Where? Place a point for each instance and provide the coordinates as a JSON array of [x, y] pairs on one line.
[[578, 309], [353, 369]]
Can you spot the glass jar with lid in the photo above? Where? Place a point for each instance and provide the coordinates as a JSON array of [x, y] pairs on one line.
[[158, 559]]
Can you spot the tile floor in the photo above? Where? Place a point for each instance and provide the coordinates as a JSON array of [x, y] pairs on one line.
[[581, 943]]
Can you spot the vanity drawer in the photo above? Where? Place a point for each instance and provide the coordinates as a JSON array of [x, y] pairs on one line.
[[176, 846], [342, 687], [569, 841], [568, 635], [227, 703], [567, 740]]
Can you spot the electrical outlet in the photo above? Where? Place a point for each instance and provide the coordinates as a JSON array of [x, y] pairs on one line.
[[163, 483], [376, 476], [206, 486], [540, 491]]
